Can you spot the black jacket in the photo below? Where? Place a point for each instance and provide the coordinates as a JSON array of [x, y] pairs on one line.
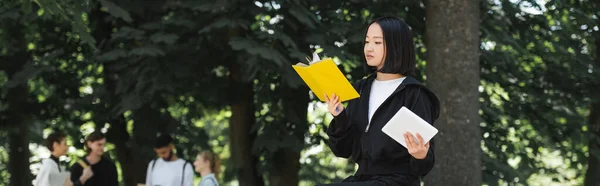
[[377, 154], [105, 173]]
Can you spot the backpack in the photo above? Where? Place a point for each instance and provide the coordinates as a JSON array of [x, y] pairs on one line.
[[182, 170]]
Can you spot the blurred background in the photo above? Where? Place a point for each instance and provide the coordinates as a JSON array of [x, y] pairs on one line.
[[518, 81]]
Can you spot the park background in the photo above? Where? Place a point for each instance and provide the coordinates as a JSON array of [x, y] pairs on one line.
[[518, 81]]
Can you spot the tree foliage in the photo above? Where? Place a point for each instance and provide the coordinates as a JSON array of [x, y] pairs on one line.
[[137, 68]]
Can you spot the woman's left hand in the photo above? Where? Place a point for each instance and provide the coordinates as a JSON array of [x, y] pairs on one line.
[[417, 149]]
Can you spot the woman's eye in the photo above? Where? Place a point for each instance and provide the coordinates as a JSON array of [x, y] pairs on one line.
[[366, 42], [378, 43]]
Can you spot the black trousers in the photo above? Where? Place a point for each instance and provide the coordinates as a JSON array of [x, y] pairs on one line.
[[385, 180]]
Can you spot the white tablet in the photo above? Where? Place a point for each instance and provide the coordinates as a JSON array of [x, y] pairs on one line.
[[407, 121]]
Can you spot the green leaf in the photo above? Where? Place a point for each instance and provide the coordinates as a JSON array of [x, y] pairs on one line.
[[128, 32], [28, 72], [221, 23], [225, 23], [152, 25], [112, 55], [11, 14], [285, 39], [304, 16], [115, 10], [149, 50], [180, 22], [164, 38], [254, 48]]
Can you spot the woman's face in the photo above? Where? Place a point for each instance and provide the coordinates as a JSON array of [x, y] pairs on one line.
[[374, 46], [61, 147], [97, 147], [201, 163]]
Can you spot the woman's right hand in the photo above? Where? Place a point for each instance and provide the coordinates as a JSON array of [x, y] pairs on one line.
[[334, 106], [87, 174]]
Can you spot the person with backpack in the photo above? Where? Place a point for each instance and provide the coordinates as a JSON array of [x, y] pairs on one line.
[[208, 165], [168, 169]]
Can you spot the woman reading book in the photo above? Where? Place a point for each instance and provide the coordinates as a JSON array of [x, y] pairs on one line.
[[355, 132]]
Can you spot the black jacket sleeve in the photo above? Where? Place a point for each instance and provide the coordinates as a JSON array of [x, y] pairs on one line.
[[424, 108], [341, 135]]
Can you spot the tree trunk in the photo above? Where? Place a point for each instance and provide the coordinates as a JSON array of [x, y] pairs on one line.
[[145, 128], [591, 175], [18, 115], [118, 135], [18, 164], [286, 161], [240, 129], [286, 164], [453, 74]]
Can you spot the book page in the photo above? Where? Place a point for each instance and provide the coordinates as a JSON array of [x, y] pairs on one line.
[[315, 58], [301, 64]]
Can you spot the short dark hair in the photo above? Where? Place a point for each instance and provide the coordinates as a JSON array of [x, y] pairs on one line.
[[163, 141], [94, 136], [55, 137], [399, 47]]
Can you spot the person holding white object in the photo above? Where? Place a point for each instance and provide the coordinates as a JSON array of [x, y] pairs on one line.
[[356, 131], [52, 173]]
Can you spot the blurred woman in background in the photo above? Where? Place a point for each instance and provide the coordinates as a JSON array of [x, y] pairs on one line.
[[208, 165]]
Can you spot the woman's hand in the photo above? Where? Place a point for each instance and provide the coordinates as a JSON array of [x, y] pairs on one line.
[[86, 175], [333, 105], [417, 149], [68, 182]]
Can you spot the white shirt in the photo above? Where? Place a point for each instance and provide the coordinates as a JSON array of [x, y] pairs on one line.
[[209, 180], [169, 173], [380, 91], [50, 174]]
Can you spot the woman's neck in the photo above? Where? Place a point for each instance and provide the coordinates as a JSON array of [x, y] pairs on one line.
[[385, 76], [93, 158], [205, 172]]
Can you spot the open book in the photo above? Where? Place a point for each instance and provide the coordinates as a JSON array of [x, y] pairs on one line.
[[406, 121], [324, 77]]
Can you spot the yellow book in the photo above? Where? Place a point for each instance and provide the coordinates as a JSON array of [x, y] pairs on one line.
[[83, 164], [324, 77]]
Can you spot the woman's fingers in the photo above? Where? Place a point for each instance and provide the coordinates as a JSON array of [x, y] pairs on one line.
[[336, 107], [421, 141], [409, 142]]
